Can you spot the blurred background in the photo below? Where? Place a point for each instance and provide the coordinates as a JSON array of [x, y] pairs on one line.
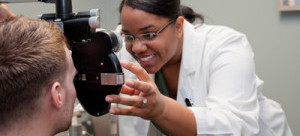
[[273, 34]]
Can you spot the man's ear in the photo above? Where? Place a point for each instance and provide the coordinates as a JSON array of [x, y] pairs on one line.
[[179, 26], [56, 95]]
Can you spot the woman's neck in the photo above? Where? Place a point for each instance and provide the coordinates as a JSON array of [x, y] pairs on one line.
[[171, 71], [171, 75]]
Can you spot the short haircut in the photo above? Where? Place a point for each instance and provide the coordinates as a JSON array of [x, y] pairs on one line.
[[32, 57]]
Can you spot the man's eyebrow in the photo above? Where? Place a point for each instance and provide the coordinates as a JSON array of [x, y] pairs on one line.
[[141, 29]]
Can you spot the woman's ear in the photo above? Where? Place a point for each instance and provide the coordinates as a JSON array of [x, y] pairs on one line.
[[56, 95], [179, 26]]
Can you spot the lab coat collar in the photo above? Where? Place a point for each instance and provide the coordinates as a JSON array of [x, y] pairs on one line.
[[191, 51]]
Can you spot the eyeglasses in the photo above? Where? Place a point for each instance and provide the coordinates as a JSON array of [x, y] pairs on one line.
[[129, 39]]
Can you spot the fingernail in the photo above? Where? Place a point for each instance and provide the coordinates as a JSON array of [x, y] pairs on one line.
[[112, 111], [109, 99], [129, 83], [124, 63]]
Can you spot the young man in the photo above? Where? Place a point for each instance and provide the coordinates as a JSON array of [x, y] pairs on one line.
[[37, 93]]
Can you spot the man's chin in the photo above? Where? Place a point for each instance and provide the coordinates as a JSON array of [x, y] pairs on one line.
[[64, 127], [68, 126]]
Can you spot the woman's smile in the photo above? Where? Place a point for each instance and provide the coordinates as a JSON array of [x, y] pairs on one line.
[[146, 60]]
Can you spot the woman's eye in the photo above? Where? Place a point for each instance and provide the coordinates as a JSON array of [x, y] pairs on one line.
[[149, 36], [127, 38]]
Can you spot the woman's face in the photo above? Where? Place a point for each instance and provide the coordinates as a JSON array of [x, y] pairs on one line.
[[165, 49]]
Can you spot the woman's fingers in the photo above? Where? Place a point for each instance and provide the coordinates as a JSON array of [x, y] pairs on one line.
[[140, 72], [142, 86], [128, 90], [131, 111], [143, 97], [136, 106], [136, 101]]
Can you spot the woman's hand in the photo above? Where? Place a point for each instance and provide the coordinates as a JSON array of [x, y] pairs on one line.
[[156, 107], [5, 13], [143, 99]]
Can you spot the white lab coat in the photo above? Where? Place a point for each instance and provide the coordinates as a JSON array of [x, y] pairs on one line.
[[217, 74]]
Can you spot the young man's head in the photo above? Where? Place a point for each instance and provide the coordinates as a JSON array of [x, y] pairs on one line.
[[36, 77]]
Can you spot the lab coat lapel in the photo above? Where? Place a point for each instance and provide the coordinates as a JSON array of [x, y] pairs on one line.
[[192, 55], [189, 48]]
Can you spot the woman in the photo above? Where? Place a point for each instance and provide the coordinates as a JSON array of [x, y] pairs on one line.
[[205, 81]]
